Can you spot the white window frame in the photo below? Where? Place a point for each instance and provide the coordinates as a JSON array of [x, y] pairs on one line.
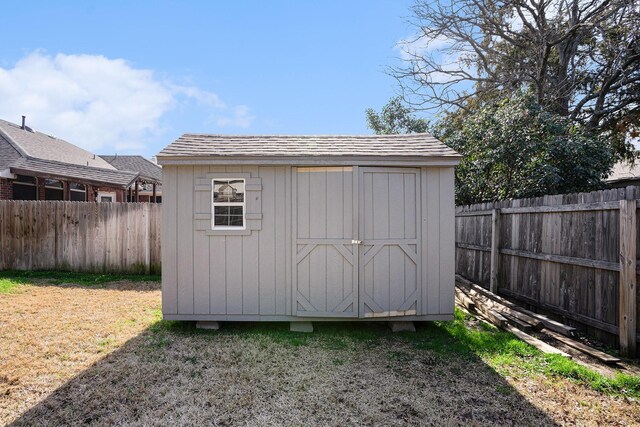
[[78, 191], [243, 204], [106, 194]]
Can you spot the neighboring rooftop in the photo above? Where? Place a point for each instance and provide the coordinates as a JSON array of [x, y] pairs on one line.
[[148, 170], [624, 171], [42, 146], [24, 151], [51, 168], [409, 145]]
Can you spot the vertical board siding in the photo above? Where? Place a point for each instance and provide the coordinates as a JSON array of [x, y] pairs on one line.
[[236, 274], [184, 240], [257, 272], [169, 235], [446, 243], [431, 240], [390, 254], [267, 243], [250, 256], [592, 293], [324, 260], [201, 264]]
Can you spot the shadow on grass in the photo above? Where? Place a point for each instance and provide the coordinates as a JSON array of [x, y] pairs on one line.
[[262, 374]]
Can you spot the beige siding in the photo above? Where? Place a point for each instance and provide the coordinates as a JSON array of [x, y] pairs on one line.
[[169, 236], [438, 232], [232, 274], [252, 274]]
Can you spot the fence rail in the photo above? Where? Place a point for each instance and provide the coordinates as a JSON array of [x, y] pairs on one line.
[[572, 255], [80, 236]]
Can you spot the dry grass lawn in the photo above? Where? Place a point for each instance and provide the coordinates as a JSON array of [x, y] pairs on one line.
[[73, 354]]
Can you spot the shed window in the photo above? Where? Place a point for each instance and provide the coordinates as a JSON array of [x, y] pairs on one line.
[[228, 204]]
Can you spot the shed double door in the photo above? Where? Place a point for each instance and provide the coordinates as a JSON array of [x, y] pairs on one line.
[[355, 242]]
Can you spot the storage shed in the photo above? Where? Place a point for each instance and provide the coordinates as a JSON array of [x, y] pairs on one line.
[[306, 228]]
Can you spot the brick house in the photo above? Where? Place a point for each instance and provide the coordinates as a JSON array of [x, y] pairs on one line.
[[36, 166], [149, 184]]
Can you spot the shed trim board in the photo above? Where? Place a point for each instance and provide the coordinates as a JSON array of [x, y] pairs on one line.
[[314, 161], [325, 238]]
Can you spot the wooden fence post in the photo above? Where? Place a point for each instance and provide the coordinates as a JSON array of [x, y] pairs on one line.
[[628, 277], [495, 250], [147, 239]]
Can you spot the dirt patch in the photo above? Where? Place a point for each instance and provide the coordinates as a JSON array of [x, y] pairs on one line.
[[77, 355], [49, 334]]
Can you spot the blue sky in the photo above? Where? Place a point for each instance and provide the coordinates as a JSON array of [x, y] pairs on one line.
[[132, 76]]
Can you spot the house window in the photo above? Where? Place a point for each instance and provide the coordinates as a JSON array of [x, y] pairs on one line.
[[77, 192], [105, 196], [228, 204], [53, 189], [24, 188]]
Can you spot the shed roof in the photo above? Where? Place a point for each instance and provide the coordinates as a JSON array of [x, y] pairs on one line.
[[148, 170], [420, 146]]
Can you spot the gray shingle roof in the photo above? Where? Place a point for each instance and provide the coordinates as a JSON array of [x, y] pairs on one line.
[[53, 169], [410, 145], [148, 170], [8, 153], [42, 146], [34, 153]]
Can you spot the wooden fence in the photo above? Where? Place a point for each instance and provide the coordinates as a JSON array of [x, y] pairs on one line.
[[571, 255], [80, 236]]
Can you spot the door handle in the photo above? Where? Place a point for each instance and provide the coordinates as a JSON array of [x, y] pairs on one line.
[[356, 242]]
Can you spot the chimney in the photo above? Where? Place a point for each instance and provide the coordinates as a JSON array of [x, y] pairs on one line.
[[24, 125]]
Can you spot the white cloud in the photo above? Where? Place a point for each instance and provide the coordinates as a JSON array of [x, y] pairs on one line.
[[98, 103], [440, 50], [240, 118], [417, 45]]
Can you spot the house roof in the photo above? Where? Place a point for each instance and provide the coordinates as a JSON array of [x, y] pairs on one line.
[[8, 153], [24, 151], [624, 171], [42, 146], [53, 169], [409, 146], [148, 170]]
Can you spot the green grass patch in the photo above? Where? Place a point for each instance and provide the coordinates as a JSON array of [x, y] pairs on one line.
[[498, 349], [8, 286], [506, 353], [60, 277]]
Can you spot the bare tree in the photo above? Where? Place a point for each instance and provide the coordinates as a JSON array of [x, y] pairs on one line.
[[580, 58]]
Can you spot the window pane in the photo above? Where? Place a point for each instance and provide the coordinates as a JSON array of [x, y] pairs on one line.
[[228, 216], [52, 183], [76, 186], [78, 196], [227, 191], [24, 178], [53, 194], [222, 210], [221, 220], [235, 210], [24, 192], [235, 221]]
